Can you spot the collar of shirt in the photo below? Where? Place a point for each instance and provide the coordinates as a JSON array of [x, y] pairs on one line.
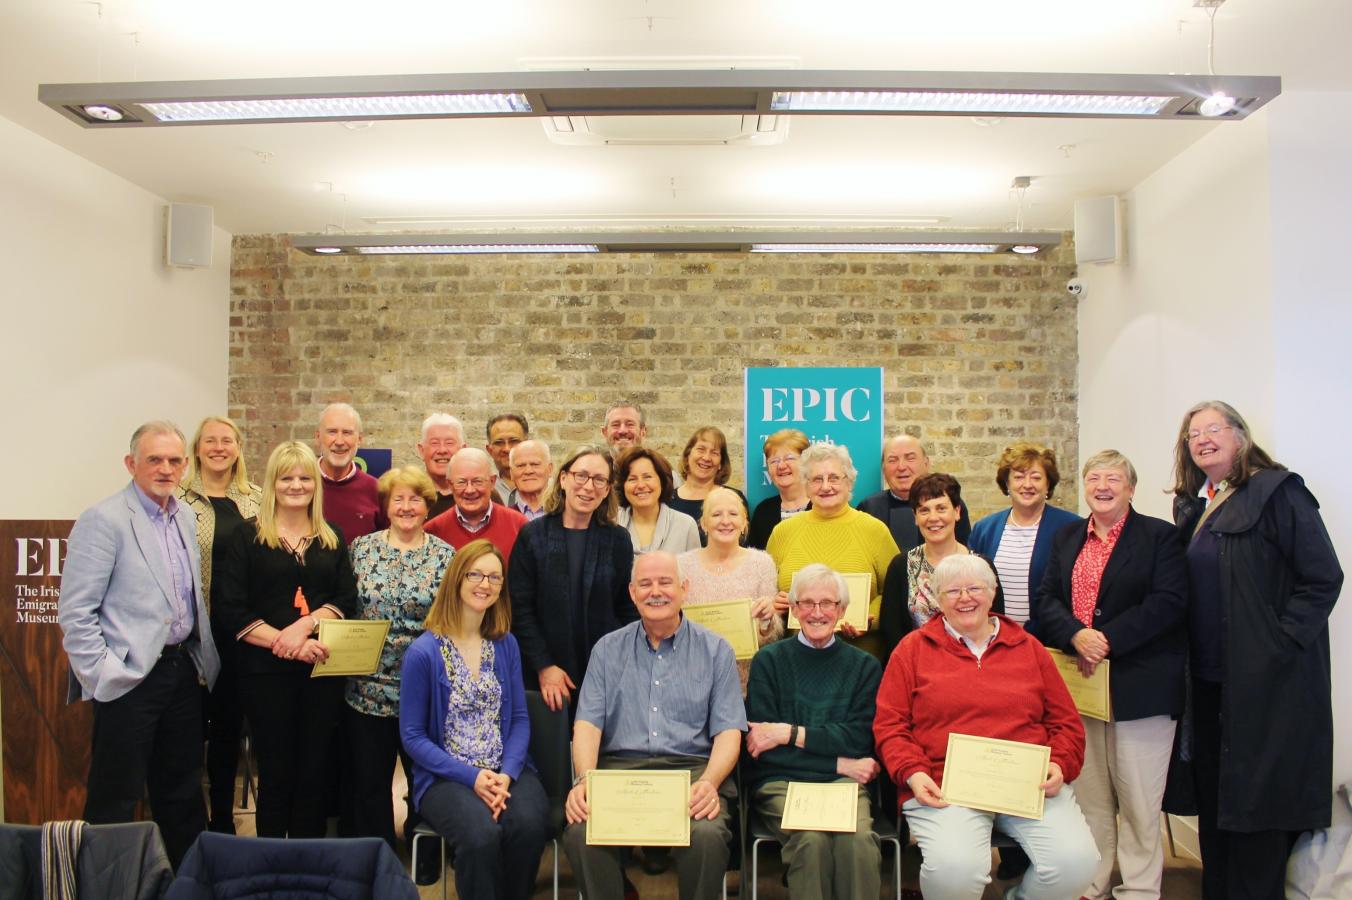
[[352, 470], [666, 642], [803, 640], [472, 527], [1110, 541], [153, 509], [977, 650]]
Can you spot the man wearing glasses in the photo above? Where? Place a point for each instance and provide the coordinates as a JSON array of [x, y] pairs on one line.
[[505, 432], [474, 514]]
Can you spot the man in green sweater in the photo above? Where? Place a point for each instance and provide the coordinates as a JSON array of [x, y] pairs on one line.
[[810, 704]]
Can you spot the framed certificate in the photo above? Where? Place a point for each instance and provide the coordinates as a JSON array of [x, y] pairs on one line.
[[354, 646], [638, 807], [1091, 694], [860, 585], [821, 807], [731, 620], [996, 776]]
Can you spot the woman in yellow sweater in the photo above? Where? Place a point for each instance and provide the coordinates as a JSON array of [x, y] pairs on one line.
[[835, 534]]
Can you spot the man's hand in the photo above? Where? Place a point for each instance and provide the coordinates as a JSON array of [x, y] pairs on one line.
[[926, 791], [555, 687], [762, 736], [861, 770], [704, 802], [575, 807]]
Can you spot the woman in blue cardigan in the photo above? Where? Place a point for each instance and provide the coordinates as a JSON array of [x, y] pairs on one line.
[[463, 721], [1018, 540]]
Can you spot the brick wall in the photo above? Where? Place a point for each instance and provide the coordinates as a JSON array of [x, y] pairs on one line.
[[977, 351]]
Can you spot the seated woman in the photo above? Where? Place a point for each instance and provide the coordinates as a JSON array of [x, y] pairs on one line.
[[969, 671], [810, 706], [705, 465], [644, 486], [782, 450], [463, 720]]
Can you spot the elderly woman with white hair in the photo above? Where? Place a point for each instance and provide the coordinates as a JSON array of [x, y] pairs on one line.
[[834, 533], [810, 705], [969, 671]]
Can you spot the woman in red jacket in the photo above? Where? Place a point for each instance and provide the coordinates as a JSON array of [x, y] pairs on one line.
[[969, 672]]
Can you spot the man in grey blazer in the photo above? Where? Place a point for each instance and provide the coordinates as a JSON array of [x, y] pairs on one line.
[[138, 637]]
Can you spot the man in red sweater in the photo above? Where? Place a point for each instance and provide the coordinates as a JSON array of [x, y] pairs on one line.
[[474, 515], [350, 499]]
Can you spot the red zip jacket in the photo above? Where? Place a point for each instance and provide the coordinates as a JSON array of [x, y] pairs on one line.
[[933, 685]]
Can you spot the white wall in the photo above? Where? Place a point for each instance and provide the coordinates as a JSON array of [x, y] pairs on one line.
[[98, 334], [1235, 288]]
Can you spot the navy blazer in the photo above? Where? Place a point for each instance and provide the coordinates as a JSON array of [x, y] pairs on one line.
[[989, 531], [1141, 608]]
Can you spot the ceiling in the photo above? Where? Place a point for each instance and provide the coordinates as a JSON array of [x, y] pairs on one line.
[[495, 174]]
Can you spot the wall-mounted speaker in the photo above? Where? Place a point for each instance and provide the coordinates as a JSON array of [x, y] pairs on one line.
[[187, 241], [1098, 230]]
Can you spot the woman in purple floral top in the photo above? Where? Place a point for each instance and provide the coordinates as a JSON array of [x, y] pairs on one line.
[[398, 572], [463, 720]]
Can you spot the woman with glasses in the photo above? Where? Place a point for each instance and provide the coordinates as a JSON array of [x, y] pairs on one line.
[[705, 465], [782, 451], [463, 720], [644, 484], [569, 576], [969, 671], [835, 534], [1264, 578], [1116, 591], [398, 571]]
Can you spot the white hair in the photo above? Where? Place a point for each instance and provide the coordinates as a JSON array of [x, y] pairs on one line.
[[156, 426], [817, 454], [511, 454], [814, 574], [342, 408], [474, 455], [440, 418], [961, 567]]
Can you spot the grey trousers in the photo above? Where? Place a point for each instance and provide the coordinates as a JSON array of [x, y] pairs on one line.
[[824, 864], [699, 867]]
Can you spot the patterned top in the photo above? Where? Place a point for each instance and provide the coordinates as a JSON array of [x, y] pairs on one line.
[[473, 732], [1087, 575], [754, 577], [922, 602], [398, 585]]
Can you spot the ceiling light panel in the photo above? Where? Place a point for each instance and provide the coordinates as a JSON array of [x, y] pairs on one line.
[[970, 103], [392, 107]]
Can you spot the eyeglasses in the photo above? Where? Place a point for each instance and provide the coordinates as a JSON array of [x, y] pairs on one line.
[[976, 592], [782, 460], [507, 442], [477, 483], [474, 577], [1210, 431], [807, 606], [833, 480], [580, 479]]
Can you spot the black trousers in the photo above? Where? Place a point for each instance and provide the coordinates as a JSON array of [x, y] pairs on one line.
[[373, 744], [1236, 865], [291, 717], [225, 723], [150, 740]]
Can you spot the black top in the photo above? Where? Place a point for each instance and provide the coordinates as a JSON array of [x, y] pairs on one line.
[[768, 514], [1206, 613], [228, 521], [259, 583], [440, 505]]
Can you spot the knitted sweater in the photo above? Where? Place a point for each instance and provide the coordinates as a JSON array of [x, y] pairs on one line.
[[935, 685], [829, 692], [501, 531], [353, 505]]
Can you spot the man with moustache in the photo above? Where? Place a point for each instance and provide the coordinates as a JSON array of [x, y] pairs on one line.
[[442, 436], [904, 461], [350, 499], [531, 468], [505, 431], [659, 693], [474, 514]]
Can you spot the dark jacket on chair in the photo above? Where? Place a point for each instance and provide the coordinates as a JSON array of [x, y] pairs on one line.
[[115, 862]]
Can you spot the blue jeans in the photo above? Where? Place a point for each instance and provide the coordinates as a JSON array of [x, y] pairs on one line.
[[493, 860]]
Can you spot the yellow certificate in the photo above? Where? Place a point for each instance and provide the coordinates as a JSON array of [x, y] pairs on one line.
[[638, 807], [821, 807], [994, 775], [731, 620], [1090, 694], [354, 646], [861, 595]]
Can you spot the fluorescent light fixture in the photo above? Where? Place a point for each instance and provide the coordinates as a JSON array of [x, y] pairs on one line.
[[727, 241], [561, 95]]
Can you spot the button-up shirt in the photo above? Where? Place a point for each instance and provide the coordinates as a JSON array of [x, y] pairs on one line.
[[978, 650], [515, 502], [1087, 575], [668, 701], [474, 527], [178, 565]]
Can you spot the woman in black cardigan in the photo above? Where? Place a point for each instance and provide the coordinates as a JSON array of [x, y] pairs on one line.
[[569, 576], [287, 571]]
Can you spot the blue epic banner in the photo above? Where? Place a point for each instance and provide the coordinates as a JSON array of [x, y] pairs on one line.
[[829, 405]]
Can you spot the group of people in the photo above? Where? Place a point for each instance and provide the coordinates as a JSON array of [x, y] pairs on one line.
[[500, 573]]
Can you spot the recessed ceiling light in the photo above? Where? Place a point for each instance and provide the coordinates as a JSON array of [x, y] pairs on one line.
[[1218, 104], [1025, 248], [104, 113], [328, 249]]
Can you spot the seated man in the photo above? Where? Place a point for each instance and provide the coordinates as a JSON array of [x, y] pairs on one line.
[[659, 693], [810, 700]]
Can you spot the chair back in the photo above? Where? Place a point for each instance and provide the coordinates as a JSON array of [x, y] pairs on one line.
[[549, 752]]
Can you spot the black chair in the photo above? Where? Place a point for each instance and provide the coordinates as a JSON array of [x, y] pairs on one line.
[[550, 754]]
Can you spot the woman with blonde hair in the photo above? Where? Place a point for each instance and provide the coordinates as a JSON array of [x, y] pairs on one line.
[[283, 574], [463, 720], [218, 491]]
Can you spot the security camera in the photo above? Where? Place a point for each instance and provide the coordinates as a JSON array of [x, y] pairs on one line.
[[1075, 287]]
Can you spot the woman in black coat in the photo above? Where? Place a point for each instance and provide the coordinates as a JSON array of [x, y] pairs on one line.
[[1264, 579], [569, 576]]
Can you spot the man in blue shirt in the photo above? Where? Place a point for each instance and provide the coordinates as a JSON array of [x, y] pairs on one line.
[[659, 693]]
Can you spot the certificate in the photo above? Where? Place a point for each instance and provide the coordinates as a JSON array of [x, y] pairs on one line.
[[994, 775], [821, 807], [1090, 694], [354, 646], [638, 807], [860, 585], [730, 620]]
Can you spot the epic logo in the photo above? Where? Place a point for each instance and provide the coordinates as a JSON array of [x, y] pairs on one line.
[[39, 557], [801, 400]]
